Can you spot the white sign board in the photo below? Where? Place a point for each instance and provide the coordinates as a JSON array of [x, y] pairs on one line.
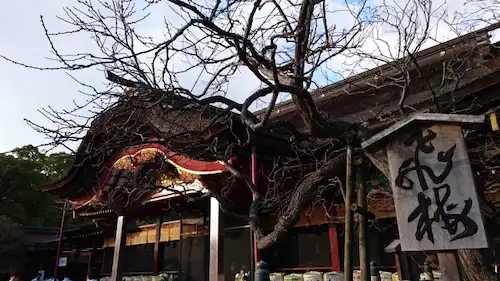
[[63, 261], [437, 207]]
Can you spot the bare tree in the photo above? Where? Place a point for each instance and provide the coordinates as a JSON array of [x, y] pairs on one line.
[[291, 48]]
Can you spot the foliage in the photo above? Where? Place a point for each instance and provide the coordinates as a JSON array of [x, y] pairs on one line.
[[21, 173], [12, 241]]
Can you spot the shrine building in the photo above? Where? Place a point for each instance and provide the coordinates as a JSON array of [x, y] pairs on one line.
[[143, 181]]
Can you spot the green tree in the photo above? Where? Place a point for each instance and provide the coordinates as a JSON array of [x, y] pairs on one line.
[[12, 243], [21, 173]]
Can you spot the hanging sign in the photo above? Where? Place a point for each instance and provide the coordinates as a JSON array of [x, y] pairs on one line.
[[437, 207]]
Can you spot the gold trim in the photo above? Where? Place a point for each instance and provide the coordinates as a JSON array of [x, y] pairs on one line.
[[126, 162]]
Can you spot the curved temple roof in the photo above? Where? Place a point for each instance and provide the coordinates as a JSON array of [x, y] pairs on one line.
[[153, 123], [351, 100], [130, 160], [127, 158]]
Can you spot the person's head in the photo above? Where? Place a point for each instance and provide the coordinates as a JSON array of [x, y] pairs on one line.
[[15, 277], [93, 274]]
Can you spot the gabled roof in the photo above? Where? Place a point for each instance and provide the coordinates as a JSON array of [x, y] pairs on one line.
[[379, 140], [159, 117], [355, 99], [153, 121]]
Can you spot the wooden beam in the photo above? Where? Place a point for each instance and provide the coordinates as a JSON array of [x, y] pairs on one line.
[[334, 247], [120, 239]]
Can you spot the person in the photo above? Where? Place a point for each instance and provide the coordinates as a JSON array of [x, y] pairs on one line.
[[15, 277], [242, 276], [93, 275]]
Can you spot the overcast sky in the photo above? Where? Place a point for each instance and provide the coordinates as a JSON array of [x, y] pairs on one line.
[[23, 91]]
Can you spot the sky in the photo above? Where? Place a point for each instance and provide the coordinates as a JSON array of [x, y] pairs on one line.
[[24, 91]]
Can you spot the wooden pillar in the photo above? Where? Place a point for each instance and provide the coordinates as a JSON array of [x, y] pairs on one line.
[[157, 246], [334, 247], [91, 257], [255, 249], [448, 266], [103, 259], [59, 243], [404, 271], [216, 263], [362, 221], [120, 239], [348, 218], [413, 266], [179, 248], [402, 261]]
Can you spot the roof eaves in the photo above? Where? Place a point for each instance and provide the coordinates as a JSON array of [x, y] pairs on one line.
[[429, 52]]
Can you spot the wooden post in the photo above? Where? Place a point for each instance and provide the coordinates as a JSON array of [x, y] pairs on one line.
[[59, 242], [91, 257], [179, 248], [362, 221], [156, 249], [216, 263], [253, 265], [348, 218], [120, 239], [402, 262], [413, 268], [255, 250], [448, 266], [397, 259], [103, 259], [334, 247], [403, 266]]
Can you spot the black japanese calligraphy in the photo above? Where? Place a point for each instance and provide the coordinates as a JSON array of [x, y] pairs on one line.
[[441, 192]]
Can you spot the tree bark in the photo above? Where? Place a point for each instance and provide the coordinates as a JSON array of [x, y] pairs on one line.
[[299, 198], [474, 267]]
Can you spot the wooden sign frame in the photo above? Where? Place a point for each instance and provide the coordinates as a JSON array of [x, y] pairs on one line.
[[437, 206]]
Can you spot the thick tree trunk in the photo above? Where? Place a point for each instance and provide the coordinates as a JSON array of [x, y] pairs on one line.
[[474, 266], [299, 198]]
